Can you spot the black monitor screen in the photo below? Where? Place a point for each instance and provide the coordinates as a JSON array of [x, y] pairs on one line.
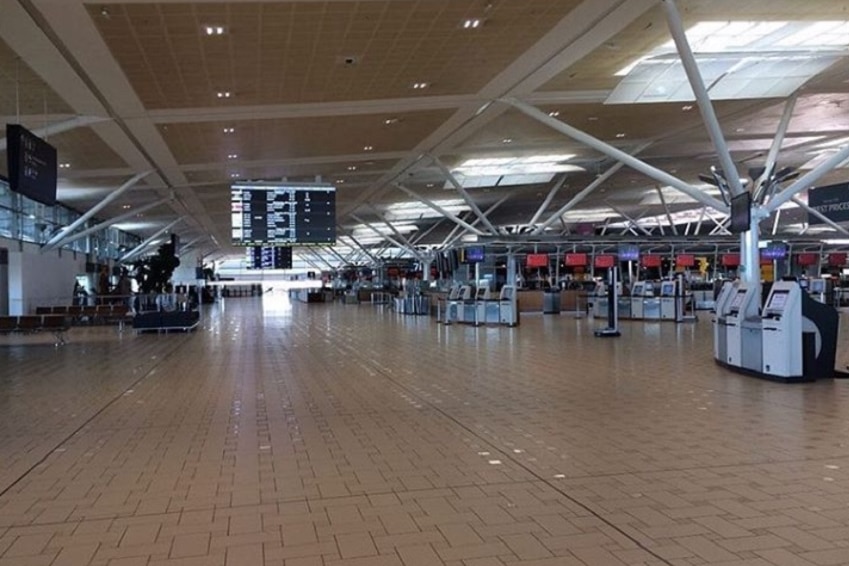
[[741, 213], [264, 214], [31, 163], [259, 257]]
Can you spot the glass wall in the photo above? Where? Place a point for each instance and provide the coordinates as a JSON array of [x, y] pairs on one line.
[[30, 221]]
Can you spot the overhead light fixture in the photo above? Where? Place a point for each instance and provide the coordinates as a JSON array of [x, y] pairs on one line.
[[229, 130], [340, 181], [368, 148], [389, 121], [223, 94], [234, 175], [554, 113], [419, 86], [352, 167], [511, 171], [214, 30], [620, 135], [233, 156], [64, 166], [507, 140], [126, 206], [472, 23], [687, 107]]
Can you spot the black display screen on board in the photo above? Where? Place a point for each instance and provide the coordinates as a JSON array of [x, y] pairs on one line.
[[741, 213], [628, 252], [260, 257], [31, 163], [283, 215]]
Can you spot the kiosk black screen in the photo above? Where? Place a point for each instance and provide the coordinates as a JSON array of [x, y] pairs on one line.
[[741, 213]]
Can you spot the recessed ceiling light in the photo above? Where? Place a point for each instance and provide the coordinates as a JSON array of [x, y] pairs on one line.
[[430, 185], [620, 135], [223, 94], [234, 175], [126, 206], [340, 181], [687, 107], [419, 86], [472, 23], [352, 167], [214, 30], [64, 166], [593, 118], [740, 130], [232, 156], [368, 148], [507, 140], [229, 130], [554, 113], [390, 121]]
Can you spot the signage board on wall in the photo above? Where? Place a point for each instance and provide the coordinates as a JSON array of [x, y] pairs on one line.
[[832, 201]]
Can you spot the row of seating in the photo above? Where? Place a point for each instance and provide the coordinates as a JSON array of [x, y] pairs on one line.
[[57, 324], [85, 314]]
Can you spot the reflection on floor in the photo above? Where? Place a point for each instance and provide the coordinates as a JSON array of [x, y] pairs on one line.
[[339, 435]]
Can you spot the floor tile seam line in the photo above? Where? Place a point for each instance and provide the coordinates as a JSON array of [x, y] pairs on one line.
[[586, 507], [306, 500], [90, 419]]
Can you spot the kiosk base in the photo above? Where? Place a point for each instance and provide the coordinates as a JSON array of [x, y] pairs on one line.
[[767, 376], [607, 333]]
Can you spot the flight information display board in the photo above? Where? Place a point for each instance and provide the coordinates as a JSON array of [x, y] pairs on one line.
[[283, 215], [260, 257]]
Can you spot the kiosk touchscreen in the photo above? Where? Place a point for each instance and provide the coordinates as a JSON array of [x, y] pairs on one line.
[[782, 331], [637, 293], [667, 300]]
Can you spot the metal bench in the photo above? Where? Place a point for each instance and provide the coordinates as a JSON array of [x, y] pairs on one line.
[[30, 324]]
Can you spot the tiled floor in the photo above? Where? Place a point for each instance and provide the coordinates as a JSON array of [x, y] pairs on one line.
[[342, 435]]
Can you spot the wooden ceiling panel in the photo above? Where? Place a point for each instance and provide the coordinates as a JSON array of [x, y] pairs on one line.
[[299, 137], [22, 91], [290, 52]]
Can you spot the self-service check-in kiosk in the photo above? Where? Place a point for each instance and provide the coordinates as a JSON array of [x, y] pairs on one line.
[[667, 300], [782, 331], [800, 335], [720, 314], [637, 292], [651, 303], [508, 311], [600, 300], [743, 326]]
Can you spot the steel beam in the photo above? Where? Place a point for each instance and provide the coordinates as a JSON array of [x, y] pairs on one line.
[[666, 209], [469, 201], [551, 194], [116, 220], [382, 235], [59, 127], [439, 209], [630, 220], [453, 237], [60, 237], [819, 215], [679, 36], [808, 180], [140, 248], [618, 154], [777, 142]]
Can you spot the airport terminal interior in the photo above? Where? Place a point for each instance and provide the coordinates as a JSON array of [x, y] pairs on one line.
[[424, 283]]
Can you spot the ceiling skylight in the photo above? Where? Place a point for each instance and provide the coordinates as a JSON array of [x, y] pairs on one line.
[[415, 210], [738, 60], [518, 170]]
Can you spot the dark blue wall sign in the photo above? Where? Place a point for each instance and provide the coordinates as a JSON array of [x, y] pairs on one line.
[[831, 201]]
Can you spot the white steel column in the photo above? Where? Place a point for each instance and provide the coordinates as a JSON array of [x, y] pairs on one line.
[[140, 248], [676, 28], [58, 238]]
